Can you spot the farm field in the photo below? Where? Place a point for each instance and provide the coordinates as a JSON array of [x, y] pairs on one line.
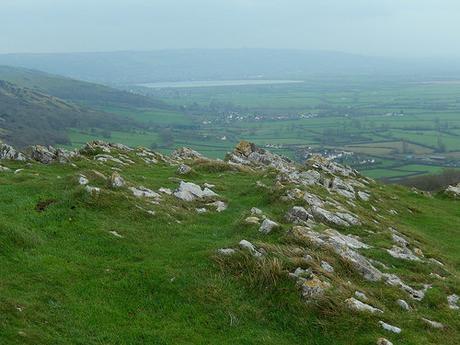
[[384, 128]]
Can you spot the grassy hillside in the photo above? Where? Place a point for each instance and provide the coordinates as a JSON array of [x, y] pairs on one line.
[[81, 267], [28, 116], [75, 90]]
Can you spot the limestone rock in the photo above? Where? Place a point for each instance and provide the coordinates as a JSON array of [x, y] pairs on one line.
[[403, 253], [403, 304], [453, 191], [383, 341], [252, 220], [7, 152], [188, 191], [298, 215], [433, 324], [357, 305], [226, 251], [267, 226], [116, 181], [186, 153], [82, 180], [246, 245], [389, 327], [183, 169], [452, 300], [327, 267], [219, 205], [144, 192]]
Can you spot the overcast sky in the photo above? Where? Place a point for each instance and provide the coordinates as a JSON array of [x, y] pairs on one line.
[[372, 27]]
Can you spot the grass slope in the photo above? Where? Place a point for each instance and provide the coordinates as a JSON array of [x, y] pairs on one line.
[[65, 279], [75, 90]]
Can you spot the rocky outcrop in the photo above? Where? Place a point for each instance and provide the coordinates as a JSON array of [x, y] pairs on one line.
[[453, 191], [188, 191], [186, 153], [7, 152]]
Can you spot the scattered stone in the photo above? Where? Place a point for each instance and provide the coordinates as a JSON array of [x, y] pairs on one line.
[[17, 171], [357, 305], [361, 295], [327, 267], [403, 253], [394, 280], [389, 327], [219, 205], [92, 190], [201, 210], [452, 300], [142, 192], [433, 324], [257, 212], [403, 304], [246, 245], [188, 191], [267, 226], [364, 196], [399, 240], [226, 251], [116, 181], [313, 287], [383, 341], [116, 234], [252, 220], [184, 169], [298, 215], [165, 191], [82, 180]]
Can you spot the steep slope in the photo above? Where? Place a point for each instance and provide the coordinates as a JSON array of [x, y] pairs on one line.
[[74, 90], [132, 247], [28, 116]]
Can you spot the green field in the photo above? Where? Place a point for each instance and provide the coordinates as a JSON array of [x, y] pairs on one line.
[[387, 124]]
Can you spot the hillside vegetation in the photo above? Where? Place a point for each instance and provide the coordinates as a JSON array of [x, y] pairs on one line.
[[28, 116], [75, 90], [113, 245]]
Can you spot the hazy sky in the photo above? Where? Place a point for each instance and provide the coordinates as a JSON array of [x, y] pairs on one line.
[[377, 27]]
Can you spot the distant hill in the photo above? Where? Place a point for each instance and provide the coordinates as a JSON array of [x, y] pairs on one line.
[[28, 116], [126, 68], [74, 90]]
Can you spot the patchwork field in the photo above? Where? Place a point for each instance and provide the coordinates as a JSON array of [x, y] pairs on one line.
[[393, 128]]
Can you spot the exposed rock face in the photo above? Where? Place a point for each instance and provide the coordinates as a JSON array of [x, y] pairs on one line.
[[186, 153], [298, 215], [188, 191], [247, 153], [9, 153], [453, 191], [337, 218]]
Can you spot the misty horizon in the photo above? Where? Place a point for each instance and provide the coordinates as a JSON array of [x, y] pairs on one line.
[[422, 29]]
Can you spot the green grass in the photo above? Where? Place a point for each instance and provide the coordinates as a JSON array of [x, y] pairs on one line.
[[66, 280]]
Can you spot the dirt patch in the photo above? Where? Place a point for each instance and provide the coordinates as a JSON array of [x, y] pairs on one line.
[[42, 205]]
